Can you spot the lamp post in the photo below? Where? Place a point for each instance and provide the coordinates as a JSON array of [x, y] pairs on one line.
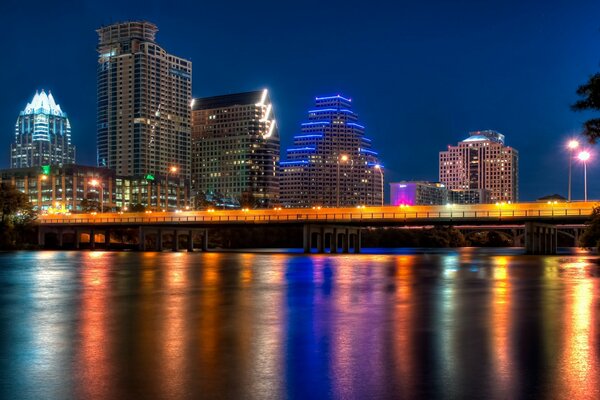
[[342, 158], [584, 156], [97, 183], [572, 145], [379, 168], [173, 170]]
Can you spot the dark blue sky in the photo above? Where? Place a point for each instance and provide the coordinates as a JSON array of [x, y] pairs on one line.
[[421, 73]]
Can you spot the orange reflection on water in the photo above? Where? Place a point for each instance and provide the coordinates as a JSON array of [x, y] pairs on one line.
[[403, 339], [578, 362], [93, 357], [500, 323], [173, 329]]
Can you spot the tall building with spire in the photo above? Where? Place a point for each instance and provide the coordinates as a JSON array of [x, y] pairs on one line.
[[331, 163], [144, 94], [42, 134], [482, 162]]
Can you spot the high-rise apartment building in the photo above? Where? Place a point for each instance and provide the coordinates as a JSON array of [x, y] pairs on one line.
[[482, 161], [144, 96], [331, 162], [235, 148], [42, 135]]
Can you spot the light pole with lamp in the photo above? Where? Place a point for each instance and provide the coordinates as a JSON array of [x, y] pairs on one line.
[[572, 145], [378, 167], [584, 156], [97, 183], [173, 170], [342, 158]]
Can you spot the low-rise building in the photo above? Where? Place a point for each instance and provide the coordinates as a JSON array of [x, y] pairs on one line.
[[79, 188]]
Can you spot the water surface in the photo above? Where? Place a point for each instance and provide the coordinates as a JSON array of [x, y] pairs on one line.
[[451, 325]]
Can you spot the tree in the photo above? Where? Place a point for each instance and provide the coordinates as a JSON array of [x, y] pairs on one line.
[[13, 203], [590, 100], [591, 236], [247, 199], [137, 208], [16, 223], [89, 204]]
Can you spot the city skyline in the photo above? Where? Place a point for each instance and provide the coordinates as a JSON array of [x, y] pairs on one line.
[[530, 104]]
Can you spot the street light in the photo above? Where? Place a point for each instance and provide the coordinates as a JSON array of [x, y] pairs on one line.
[[572, 145], [584, 156], [97, 183], [379, 168], [173, 170], [342, 158]]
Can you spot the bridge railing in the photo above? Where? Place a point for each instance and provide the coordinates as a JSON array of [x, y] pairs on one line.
[[270, 216]]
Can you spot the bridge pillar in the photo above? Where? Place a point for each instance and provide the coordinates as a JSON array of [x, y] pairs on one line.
[[175, 240], [142, 239], [540, 238], [190, 242], [107, 239], [159, 240], [77, 239], [306, 236], [333, 245], [92, 239], [321, 241], [346, 242], [357, 242], [41, 236], [205, 240]]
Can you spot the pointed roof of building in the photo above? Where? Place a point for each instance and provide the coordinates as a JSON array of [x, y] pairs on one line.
[[43, 103]]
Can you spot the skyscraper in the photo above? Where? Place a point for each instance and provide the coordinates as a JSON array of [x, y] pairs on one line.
[[482, 161], [144, 96], [42, 135], [331, 163], [235, 150]]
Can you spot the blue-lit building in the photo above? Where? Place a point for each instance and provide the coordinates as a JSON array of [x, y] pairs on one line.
[[42, 135], [331, 163]]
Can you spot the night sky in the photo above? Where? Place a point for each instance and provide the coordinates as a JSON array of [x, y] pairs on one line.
[[421, 74]]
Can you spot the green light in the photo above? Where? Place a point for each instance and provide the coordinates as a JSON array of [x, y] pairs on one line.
[[149, 177], [46, 169]]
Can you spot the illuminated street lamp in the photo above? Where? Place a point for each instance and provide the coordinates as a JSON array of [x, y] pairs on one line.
[[379, 168], [572, 145], [342, 158], [97, 183], [584, 156], [172, 170]]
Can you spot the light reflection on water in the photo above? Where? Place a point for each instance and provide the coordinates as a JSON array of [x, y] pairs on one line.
[[264, 326]]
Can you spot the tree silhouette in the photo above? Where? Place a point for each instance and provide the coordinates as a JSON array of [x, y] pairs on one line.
[[590, 100]]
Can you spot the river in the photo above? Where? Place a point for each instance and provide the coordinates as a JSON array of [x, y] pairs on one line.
[[450, 324]]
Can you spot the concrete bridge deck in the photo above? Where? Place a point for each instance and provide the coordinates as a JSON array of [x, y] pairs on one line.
[[328, 227]]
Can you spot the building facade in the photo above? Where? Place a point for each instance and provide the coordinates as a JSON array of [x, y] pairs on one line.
[[82, 188], [482, 162], [235, 149], [144, 96], [331, 163], [42, 135], [64, 187]]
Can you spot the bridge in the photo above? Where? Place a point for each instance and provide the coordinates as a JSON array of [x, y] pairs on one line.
[[323, 228]]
